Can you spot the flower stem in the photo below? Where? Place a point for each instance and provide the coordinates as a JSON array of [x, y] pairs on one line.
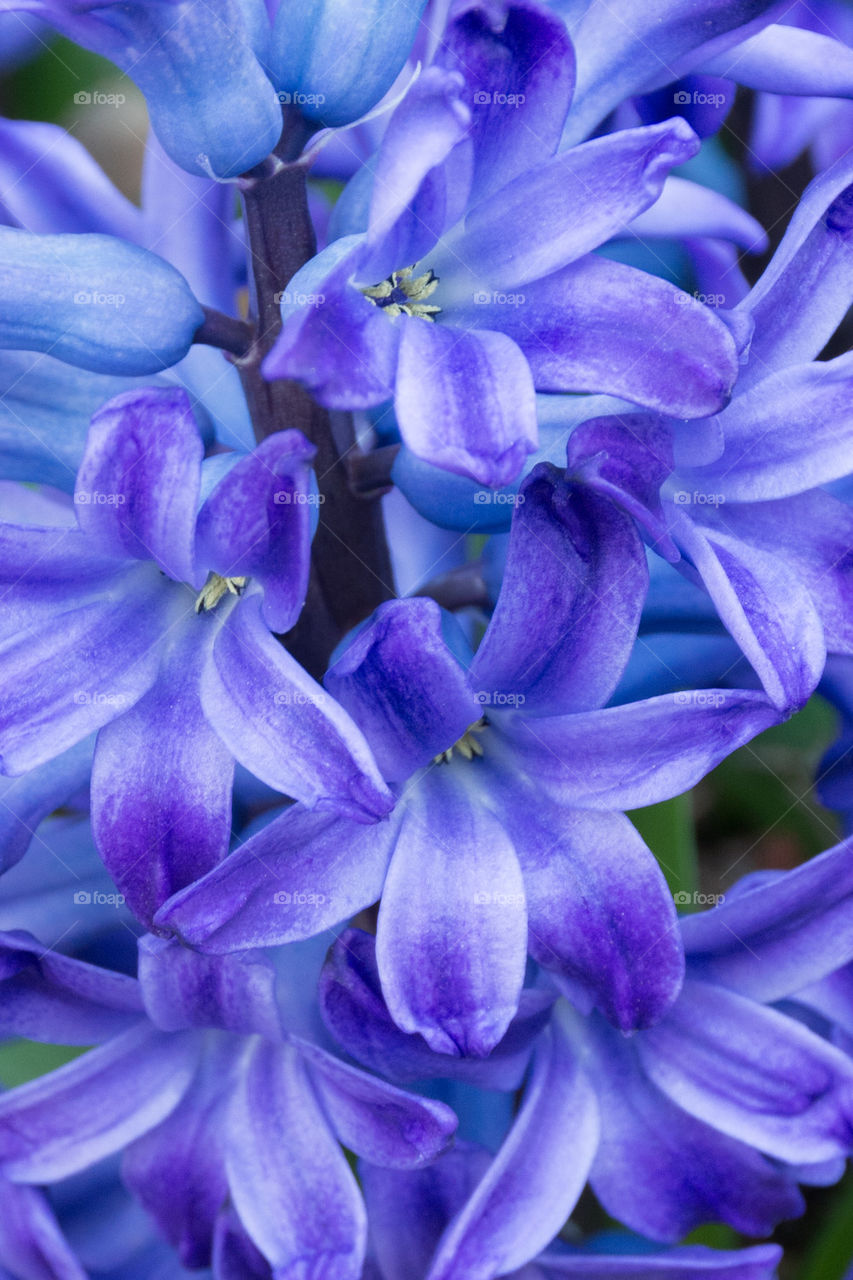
[[351, 567]]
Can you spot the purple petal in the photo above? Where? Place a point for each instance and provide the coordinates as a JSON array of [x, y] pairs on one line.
[[376, 1120], [689, 209], [600, 911], [304, 873], [41, 568], [519, 69], [183, 989], [662, 1172], [137, 487], [752, 1073], [650, 43], [805, 291], [769, 941], [451, 945], [67, 1120], [793, 431], [30, 1239], [570, 601], [762, 600], [26, 800], [403, 687], [234, 1255], [811, 534], [355, 1012], [79, 669], [690, 1263], [177, 1170], [465, 400], [50, 183], [602, 326], [535, 1179], [282, 725], [48, 997], [409, 1211], [336, 342], [161, 785], [627, 457], [785, 59], [415, 193], [289, 1180], [548, 217], [256, 524], [190, 221], [638, 754]]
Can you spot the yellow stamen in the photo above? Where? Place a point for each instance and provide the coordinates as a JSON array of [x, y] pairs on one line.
[[467, 746], [399, 294], [215, 588]]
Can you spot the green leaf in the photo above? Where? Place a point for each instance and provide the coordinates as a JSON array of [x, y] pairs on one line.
[[23, 1060], [668, 830], [831, 1252]]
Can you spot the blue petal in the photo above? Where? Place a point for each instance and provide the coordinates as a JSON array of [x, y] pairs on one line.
[[93, 301], [336, 60]]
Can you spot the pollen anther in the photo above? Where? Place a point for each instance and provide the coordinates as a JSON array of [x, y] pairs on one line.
[[400, 294], [215, 588]]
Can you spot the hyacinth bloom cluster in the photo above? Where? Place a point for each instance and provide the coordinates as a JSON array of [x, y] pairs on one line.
[[429, 480]]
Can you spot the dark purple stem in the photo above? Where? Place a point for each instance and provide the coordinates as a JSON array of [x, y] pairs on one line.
[[351, 567], [225, 332], [461, 588]]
